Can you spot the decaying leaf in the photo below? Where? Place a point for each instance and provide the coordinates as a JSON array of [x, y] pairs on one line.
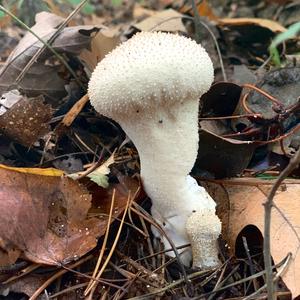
[[24, 119], [246, 210], [46, 216], [166, 20], [42, 77]]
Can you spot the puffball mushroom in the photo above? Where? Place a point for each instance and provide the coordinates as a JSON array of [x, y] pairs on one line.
[[151, 85]]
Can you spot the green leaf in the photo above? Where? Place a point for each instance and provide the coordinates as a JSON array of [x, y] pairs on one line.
[[99, 179], [98, 175], [291, 33]]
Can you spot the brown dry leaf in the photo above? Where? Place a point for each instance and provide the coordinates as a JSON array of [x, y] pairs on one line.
[[42, 77], [24, 119], [166, 20], [46, 216], [246, 208], [55, 9], [139, 12], [26, 285], [204, 10], [269, 24], [103, 42]]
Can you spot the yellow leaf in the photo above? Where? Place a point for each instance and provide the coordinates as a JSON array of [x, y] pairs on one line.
[[36, 171]]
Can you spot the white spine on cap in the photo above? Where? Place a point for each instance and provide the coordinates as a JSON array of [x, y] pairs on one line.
[[151, 86]]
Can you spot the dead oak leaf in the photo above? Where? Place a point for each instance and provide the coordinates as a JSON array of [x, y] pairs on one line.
[[46, 217], [244, 208]]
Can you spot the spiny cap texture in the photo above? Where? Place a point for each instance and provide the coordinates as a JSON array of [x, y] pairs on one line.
[[150, 70]]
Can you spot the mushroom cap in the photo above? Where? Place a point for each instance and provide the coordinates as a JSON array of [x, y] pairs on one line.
[[150, 70]]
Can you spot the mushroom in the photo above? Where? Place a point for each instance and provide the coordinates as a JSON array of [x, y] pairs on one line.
[[151, 85], [203, 230]]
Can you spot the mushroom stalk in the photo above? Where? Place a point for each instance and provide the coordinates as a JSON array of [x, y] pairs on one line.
[[166, 161]]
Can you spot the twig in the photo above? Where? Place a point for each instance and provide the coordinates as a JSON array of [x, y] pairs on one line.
[[284, 263], [129, 200], [294, 162], [280, 272], [101, 254], [57, 275], [264, 93], [248, 181], [141, 212], [251, 266], [201, 273]]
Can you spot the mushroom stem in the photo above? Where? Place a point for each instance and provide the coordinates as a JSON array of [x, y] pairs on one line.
[[167, 142]]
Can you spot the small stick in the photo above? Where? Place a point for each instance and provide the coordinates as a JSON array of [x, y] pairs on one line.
[[293, 164]]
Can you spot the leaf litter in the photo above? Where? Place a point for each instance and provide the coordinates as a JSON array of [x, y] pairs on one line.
[[46, 214]]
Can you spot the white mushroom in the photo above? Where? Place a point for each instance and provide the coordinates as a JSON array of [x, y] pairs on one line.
[[151, 86], [203, 230]]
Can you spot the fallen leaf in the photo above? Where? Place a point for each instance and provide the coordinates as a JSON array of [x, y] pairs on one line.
[[26, 285], [139, 12], [203, 8], [221, 157], [43, 77], [246, 209], [269, 24], [35, 171], [24, 119], [166, 20], [102, 43], [46, 217], [221, 100]]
